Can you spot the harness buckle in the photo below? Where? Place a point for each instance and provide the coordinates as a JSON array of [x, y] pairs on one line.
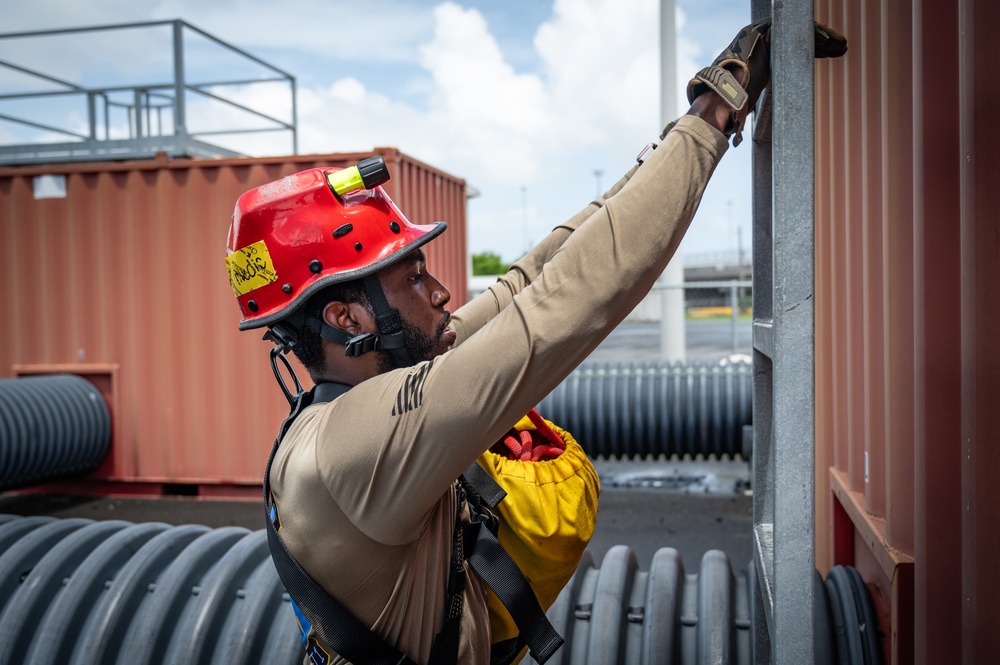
[[482, 514]]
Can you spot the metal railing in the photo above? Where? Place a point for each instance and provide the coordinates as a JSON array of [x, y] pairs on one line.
[[149, 117], [710, 302]]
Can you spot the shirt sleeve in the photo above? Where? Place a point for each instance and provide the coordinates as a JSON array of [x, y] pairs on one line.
[[395, 443], [478, 312]]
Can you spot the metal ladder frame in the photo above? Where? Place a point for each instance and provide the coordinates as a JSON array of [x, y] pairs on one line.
[[783, 399]]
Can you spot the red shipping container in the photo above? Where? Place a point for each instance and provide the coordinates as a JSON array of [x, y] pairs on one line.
[[123, 280]]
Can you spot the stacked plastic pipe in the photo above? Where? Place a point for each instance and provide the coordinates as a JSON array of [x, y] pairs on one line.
[[58, 426], [655, 409], [51, 427], [75, 591]]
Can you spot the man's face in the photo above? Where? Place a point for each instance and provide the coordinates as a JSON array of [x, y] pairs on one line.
[[420, 299]]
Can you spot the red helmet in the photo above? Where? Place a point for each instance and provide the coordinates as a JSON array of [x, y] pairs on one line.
[[294, 236]]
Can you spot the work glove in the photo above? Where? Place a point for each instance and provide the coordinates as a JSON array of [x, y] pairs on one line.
[[741, 72]]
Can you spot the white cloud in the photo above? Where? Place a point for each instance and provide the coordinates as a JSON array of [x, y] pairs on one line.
[[590, 103], [349, 90], [602, 63], [490, 116], [591, 106]]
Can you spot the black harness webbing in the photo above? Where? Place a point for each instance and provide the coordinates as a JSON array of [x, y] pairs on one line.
[[339, 628], [475, 541]]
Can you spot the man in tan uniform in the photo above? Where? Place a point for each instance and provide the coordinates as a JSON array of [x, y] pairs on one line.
[[364, 486]]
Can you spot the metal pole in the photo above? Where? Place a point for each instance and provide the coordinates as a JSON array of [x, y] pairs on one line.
[[180, 119], [92, 115], [672, 335], [295, 119], [794, 431], [138, 113], [763, 398], [107, 118], [734, 306], [784, 446]]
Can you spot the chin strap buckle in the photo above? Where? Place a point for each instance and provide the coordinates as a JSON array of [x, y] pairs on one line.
[[365, 342], [282, 336], [362, 344]]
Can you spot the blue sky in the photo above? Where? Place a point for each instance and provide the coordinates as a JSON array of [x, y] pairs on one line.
[[524, 99]]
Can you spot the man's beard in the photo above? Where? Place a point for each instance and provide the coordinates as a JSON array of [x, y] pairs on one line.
[[418, 344]]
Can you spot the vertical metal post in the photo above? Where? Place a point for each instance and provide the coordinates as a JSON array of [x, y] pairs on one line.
[[295, 119], [673, 340], [734, 306], [783, 514], [107, 117], [180, 119], [137, 112], [92, 116]]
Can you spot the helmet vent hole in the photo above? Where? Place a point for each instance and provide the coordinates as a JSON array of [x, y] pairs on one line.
[[315, 265], [252, 305], [286, 288], [342, 230], [357, 246], [394, 226]]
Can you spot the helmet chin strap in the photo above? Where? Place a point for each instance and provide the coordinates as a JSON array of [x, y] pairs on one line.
[[387, 321]]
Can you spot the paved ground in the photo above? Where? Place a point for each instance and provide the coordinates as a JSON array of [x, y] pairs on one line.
[[690, 506], [706, 340], [693, 507]]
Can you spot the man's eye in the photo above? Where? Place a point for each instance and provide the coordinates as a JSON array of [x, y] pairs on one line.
[[416, 278]]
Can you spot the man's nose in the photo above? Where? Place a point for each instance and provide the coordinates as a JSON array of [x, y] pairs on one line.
[[439, 294]]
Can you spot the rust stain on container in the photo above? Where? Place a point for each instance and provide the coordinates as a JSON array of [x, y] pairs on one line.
[[127, 270]]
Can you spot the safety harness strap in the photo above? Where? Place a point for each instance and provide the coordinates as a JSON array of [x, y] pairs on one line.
[[492, 563], [486, 490], [475, 542], [339, 628], [504, 653]]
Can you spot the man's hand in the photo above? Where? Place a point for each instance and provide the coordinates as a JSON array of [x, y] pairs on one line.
[[741, 72]]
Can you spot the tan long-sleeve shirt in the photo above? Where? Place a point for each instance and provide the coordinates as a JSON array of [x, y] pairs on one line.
[[364, 484]]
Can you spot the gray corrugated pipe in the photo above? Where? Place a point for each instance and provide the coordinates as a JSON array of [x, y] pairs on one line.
[[77, 592], [50, 427], [620, 614], [652, 409]]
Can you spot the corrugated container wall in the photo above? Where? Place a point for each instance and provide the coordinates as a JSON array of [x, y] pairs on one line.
[[908, 319], [123, 281]]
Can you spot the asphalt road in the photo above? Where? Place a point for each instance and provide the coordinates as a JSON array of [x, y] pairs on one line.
[[706, 340]]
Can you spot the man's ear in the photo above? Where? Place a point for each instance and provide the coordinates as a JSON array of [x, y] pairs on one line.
[[349, 317]]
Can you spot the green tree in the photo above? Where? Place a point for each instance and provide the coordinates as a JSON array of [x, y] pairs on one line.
[[488, 263]]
